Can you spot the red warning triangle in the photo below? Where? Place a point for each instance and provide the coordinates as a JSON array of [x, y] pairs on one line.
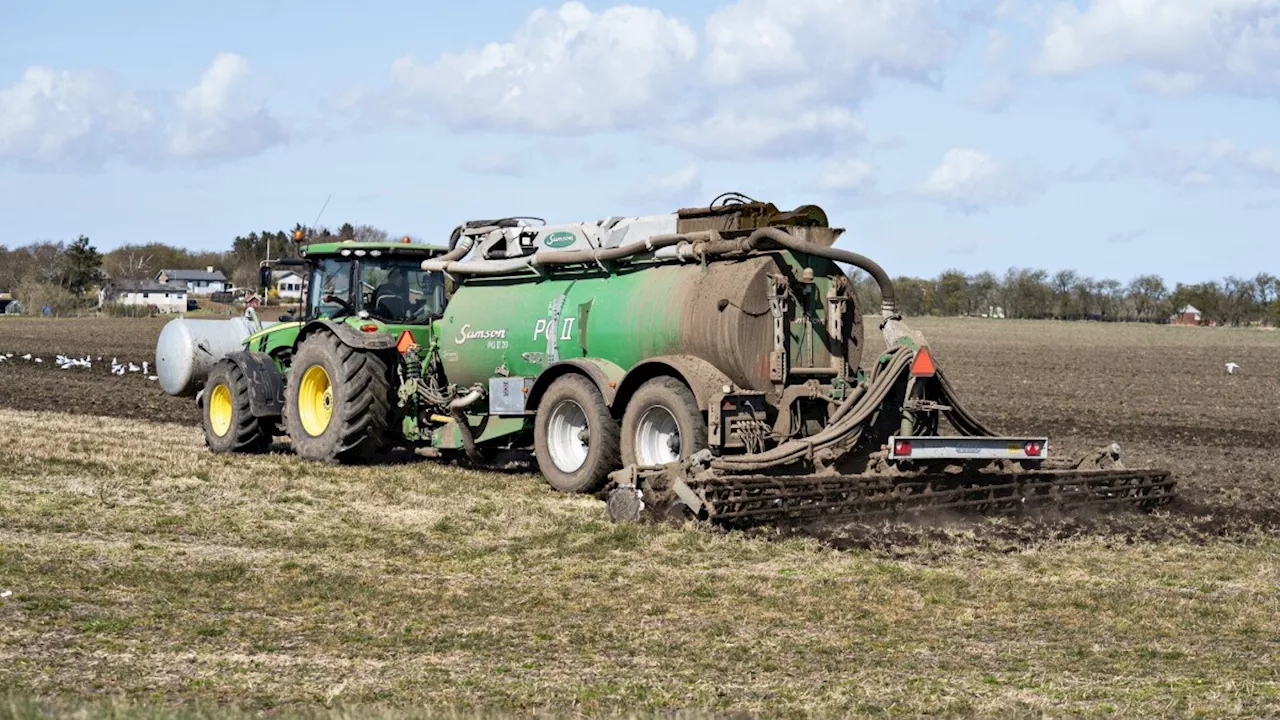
[[923, 365]]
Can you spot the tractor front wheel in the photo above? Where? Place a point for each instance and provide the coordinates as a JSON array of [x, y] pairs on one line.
[[229, 425], [337, 401]]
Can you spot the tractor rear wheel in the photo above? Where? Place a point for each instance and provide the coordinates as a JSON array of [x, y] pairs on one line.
[[662, 424], [575, 437], [337, 402], [229, 425]]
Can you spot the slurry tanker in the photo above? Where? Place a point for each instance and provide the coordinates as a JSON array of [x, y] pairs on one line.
[[711, 362]]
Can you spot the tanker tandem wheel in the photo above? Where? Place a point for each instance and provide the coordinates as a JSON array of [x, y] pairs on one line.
[[575, 436]]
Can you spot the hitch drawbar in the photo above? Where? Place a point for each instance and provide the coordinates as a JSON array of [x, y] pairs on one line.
[[968, 448]]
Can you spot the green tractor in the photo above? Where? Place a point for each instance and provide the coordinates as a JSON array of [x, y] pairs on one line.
[[712, 359], [326, 377]]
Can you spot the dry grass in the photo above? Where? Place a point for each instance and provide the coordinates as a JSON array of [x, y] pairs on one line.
[[151, 578]]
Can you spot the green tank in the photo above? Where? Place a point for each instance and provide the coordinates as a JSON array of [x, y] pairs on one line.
[[718, 312]]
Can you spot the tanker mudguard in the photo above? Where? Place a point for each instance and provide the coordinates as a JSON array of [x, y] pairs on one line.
[[266, 397], [606, 375], [703, 378], [350, 336]]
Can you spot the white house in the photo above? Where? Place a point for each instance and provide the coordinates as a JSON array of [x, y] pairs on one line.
[[165, 298], [288, 284], [196, 282]]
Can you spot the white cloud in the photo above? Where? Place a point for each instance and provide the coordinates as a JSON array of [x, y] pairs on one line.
[[681, 188], [849, 175], [837, 46], [771, 78], [738, 134], [60, 119], [75, 119], [1180, 46], [567, 70], [219, 118], [971, 181]]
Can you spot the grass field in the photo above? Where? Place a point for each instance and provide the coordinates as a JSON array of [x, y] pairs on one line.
[[148, 576]]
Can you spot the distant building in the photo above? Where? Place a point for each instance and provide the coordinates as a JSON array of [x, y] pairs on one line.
[[1188, 315], [288, 284], [5, 299], [195, 282], [164, 298]]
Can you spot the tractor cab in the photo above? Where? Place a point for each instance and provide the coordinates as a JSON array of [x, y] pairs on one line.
[[379, 280]]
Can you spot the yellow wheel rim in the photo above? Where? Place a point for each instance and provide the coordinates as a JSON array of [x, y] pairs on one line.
[[220, 410], [315, 401]]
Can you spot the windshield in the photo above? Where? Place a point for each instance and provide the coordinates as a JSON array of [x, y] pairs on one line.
[[329, 291], [399, 290]]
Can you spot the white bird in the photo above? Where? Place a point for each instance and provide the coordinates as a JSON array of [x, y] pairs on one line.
[[153, 377], [119, 370], [133, 368], [1232, 368], [39, 360], [145, 371], [27, 356]]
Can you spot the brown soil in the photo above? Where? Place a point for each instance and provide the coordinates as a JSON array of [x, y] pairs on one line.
[[27, 385], [1161, 392]]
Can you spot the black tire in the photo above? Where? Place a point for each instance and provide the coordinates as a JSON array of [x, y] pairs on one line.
[[236, 429], [602, 435], [673, 396], [359, 402]]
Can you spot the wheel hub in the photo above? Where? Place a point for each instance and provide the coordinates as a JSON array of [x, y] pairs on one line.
[[657, 437], [568, 436], [315, 401]]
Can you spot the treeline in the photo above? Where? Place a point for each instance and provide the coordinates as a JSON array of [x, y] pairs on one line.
[[60, 274], [1068, 295]]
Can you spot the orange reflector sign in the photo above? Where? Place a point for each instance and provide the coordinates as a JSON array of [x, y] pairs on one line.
[[405, 342], [923, 365]]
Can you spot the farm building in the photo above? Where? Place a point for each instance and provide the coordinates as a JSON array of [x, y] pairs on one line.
[[288, 284], [165, 298], [196, 282], [1188, 315], [5, 299]]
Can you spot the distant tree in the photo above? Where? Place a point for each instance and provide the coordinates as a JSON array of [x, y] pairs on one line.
[[369, 233], [1149, 295], [83, 266], [952, 293], [347, 232], [1063, 299]]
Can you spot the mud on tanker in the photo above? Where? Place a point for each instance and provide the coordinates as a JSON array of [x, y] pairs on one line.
[[709, 363]]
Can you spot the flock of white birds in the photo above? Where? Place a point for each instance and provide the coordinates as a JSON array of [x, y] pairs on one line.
[[85, 363]]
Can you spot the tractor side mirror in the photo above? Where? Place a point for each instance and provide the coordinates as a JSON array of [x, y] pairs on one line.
[[264, 276]]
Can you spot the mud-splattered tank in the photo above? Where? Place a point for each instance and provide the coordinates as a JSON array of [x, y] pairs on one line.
[[721, 312]]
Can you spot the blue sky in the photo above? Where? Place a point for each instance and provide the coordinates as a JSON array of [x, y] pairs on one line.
[[1115, 137]]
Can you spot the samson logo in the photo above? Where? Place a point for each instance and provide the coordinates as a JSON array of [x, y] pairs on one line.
[[465, 333], [560, 239]]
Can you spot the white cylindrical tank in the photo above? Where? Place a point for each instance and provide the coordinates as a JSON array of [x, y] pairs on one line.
[[187, 350]]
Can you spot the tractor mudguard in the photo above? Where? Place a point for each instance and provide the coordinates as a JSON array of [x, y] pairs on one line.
[[266, 382], [351, 337]]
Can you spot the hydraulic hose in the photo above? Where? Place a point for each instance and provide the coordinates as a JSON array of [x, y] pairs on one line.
[[862, 262], [848, 418]]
